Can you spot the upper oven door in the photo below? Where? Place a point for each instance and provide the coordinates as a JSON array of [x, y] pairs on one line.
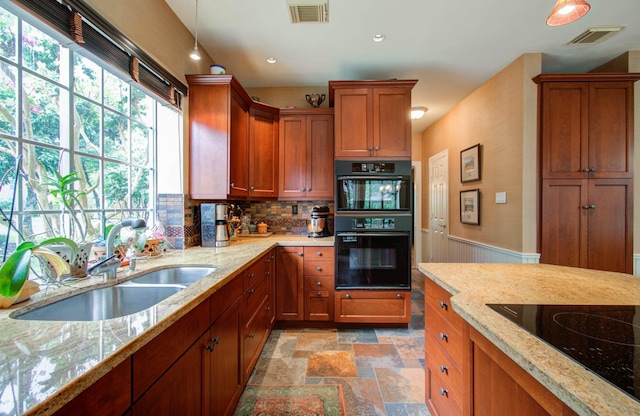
[[373, 193]]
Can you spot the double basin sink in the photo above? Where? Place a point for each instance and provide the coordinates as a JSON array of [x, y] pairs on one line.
[[135, 295]]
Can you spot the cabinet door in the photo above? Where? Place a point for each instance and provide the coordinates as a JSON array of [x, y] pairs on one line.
[[353, 129], [289, 284], [564, 222], [564, 129], [610, 129], [209, 142], [179, 390], [294, 156], [263, 154], [610, 231], [271, 283], [224, 383], [319, 157], [392, 122], [238, 148]]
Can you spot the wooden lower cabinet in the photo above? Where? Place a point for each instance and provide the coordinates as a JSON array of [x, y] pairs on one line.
[[501, 387], [465, 374], [110, 395], [289, 284], [373, 306]]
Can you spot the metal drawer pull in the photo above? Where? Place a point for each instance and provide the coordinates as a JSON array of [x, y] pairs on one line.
[[251, 335], [347, 296], [214, 341], [300, 254], [444, 369], [399, 296], [444, 337], [319, 294], [444, 392], [443, 305], [251, 291], [251, 275], [319, 268], [318, 284], [319, 253]]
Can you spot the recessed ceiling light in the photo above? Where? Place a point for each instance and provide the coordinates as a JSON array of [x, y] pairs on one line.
[[378, 38], [272, 60]]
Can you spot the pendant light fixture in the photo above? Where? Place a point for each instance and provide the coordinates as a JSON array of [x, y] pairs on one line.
[[195, 53], [567, 11]]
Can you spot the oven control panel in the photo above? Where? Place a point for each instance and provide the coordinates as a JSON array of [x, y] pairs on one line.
[[373, 223], [380, 167]]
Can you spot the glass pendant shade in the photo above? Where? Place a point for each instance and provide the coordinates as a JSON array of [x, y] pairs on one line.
[[567, 11], [195, 54]]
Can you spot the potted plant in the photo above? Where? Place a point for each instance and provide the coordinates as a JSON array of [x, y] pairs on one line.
[[15, 270]]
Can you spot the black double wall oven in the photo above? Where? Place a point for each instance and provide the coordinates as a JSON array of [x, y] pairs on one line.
[[373, 223]]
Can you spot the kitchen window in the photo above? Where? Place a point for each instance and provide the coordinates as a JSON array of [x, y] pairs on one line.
[[62, 109]]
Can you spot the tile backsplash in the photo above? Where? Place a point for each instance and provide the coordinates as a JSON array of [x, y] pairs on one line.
[[181, 217]]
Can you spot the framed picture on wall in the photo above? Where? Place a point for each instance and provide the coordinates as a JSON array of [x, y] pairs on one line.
[[470, 207], [470, 169]]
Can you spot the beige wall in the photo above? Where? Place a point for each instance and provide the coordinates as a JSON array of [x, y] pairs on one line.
[[501, 116]]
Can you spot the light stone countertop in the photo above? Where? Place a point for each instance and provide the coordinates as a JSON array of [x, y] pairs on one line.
[[475, 285], [44, 364]]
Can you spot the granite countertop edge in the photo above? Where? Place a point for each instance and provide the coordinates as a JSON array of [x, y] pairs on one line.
[[231, 261], [472, 287]]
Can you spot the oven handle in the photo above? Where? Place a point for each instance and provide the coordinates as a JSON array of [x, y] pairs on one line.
[[382, 234], [377, 178]]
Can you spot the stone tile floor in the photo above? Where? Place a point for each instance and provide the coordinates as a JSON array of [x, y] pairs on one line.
[[381, 370]]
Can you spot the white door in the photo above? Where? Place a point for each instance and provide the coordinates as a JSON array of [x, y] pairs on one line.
[[439, 206]]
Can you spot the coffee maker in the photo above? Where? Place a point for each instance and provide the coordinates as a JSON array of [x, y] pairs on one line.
[[318, 224], [222, 229]]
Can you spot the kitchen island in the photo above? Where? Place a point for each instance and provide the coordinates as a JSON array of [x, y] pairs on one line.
[[46, 364], [473, 286]]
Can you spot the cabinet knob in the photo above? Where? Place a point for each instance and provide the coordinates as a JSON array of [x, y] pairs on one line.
[[585, 170], [319, 294], [319, 253], [444, 336], [251, 291], [443, 369], [593, 169], [318, 284], [398, 296], [253, 188], [377, 148], [370, 148], [443, 305], [585, 207], [233, 184], [319, 268], [252, 335], [300, 254], [347, 296], [301, 189], [444, 392], [268, 308], [308, 189], [250, 275], [592, 207], [267, 273]]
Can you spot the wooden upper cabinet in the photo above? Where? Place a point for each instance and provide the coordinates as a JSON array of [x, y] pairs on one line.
[[306, 154], [586, 125], [372, 118], [263, 154], [233, 139]]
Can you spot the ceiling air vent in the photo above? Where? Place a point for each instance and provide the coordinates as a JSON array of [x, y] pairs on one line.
[[595, 35], [308, 11]]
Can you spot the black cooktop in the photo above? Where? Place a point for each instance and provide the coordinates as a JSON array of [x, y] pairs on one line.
[[605, 339]]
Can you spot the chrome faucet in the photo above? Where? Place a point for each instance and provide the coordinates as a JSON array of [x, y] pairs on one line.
[[135, 223], [108, 267]]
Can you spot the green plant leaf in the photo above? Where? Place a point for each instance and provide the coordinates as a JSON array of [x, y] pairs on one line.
[[14, 272]]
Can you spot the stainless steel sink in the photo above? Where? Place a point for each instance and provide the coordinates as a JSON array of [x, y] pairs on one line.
[[178, 275], [104, 303], [123, 299]]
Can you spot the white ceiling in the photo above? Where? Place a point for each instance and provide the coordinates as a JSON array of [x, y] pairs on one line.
[[451, 47]]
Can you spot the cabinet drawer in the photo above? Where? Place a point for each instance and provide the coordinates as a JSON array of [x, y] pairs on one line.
[[444, 334], [254, 272], [318, 305], [319, 253], [441, 398], [255, 334], [443, 364], [318, 267], [372, 306], [319, 283], [439, 299], [254, 297]]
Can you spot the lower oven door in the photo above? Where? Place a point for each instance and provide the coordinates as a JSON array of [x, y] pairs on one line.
[[373, 260]]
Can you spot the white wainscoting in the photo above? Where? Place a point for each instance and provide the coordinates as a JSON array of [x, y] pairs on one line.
[[636, 264], [467, 251]]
